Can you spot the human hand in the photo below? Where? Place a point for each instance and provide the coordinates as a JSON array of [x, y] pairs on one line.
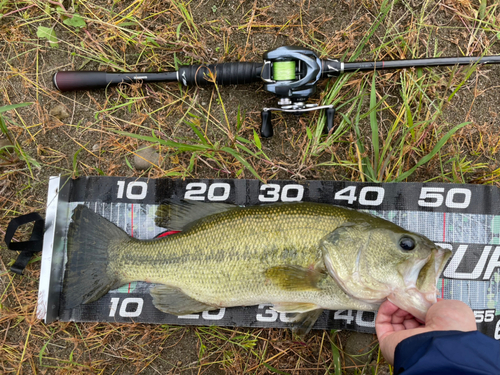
[[393, 325]]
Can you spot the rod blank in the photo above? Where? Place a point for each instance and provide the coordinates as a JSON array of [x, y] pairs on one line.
[[366, 66]]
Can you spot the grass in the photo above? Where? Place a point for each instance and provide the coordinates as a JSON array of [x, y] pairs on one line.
[[11, 152], [414, 125]]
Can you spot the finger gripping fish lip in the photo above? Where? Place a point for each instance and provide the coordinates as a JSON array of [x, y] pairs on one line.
[[418, 297]]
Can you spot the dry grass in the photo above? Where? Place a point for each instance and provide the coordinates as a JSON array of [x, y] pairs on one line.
[[387, 127]]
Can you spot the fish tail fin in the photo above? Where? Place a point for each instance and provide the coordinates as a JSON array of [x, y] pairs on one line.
[[88, 275]]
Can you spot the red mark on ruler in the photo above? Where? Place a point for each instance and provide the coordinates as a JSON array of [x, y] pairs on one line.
[[164, 234]]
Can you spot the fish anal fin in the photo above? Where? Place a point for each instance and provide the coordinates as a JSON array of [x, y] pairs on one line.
[[295, 278], [307, 314], [303, 322], [181, 214], [174, 301]]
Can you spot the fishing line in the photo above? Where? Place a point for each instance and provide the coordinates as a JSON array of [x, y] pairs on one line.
[[284, 70]]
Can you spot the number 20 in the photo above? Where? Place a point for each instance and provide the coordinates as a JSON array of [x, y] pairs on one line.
[[196, 191]]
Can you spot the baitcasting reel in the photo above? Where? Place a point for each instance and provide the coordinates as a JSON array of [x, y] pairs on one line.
[[291, 73]]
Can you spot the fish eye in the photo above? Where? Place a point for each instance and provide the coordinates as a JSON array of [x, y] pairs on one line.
[[407, 243]]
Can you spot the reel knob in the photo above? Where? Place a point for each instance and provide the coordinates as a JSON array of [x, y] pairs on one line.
[[330, 114], [266, 129]]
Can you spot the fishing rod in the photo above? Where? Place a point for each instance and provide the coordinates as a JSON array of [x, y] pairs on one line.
[[289, 72]]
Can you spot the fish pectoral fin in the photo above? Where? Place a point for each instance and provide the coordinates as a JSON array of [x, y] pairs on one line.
[[174, 301], [181, 214], [294, 278]]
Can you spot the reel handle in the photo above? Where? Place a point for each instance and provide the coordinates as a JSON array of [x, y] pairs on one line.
[[266, 130]]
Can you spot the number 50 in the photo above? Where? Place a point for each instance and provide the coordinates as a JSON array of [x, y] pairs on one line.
[[434, 197]]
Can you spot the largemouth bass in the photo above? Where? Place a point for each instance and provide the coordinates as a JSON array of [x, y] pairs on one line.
[[300, 257]]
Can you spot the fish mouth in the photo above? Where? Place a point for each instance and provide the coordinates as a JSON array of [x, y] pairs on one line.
[[420, 291]]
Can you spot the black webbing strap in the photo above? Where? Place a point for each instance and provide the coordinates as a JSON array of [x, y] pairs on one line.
[[27, 248]]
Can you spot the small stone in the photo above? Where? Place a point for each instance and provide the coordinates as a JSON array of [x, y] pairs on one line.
[[359, 345], [145, 158], [5, 143], [59, 112]]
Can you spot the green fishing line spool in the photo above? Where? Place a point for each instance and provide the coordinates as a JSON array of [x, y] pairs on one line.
[[284, 70]]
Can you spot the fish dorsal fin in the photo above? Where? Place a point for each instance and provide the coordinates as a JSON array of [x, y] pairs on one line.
[[294, 278], [181, 214], [174, 301]]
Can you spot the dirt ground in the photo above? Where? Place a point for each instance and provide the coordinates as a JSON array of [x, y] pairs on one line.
[[75, 134]]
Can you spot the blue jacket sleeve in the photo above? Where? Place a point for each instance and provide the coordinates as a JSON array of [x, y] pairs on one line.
[[448, 352]]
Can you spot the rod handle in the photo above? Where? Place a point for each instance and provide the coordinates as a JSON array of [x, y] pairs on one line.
[[89, 80], [81, 80], [234, 73]]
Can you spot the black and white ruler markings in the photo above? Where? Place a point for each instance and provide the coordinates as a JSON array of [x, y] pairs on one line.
[[463, 218]]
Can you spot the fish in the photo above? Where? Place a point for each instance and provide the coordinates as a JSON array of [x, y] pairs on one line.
[[301, 257]]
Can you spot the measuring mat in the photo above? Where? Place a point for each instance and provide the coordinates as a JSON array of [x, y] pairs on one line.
[[463, 218]]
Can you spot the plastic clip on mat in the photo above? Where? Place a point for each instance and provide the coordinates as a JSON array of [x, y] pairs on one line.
[[27, 248]]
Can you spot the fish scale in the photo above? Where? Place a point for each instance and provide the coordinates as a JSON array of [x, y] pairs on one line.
[[219, 263]]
